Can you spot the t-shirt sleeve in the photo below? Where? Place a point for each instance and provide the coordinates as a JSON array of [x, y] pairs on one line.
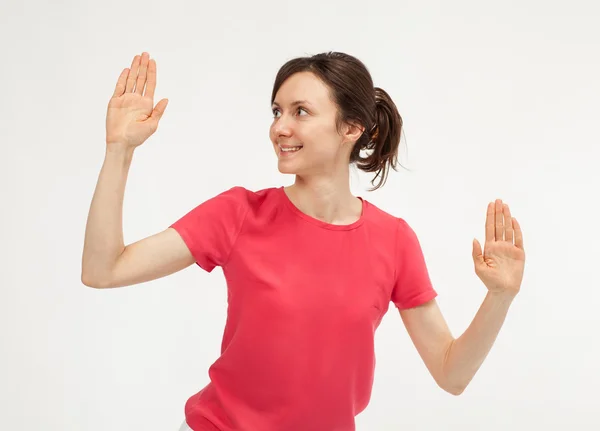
[[412, 284], [210, 230]]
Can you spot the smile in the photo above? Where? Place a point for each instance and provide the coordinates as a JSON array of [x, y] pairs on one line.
[[286, 152]]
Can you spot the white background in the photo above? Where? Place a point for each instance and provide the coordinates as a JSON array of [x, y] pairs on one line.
[[499, 100]]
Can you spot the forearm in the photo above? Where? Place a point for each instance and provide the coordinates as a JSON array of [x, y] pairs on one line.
[[104, 230], [466, 353]]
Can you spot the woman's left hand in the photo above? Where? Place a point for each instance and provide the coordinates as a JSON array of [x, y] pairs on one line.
[[500, 266]]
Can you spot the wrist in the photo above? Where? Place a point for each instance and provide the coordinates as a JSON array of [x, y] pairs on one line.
[[118, 150], [501, 296]]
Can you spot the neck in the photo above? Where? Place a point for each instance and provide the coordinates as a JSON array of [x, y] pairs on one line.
[[326, 200]]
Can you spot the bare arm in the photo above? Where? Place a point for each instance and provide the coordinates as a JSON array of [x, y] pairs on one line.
[[130, 120], [454, 362], [104, 229], [432, 338], [106, 261], [149, 259]]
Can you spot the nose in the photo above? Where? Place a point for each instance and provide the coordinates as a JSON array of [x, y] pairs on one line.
[[282, 127]]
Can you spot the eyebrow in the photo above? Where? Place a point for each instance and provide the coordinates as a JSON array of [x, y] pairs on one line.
[[295, 103]]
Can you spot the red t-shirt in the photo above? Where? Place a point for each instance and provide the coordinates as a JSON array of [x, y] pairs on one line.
[[304, 300]]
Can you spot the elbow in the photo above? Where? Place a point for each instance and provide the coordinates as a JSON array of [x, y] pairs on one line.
[[448, 382], [90, 281], [86, 281], [87, 277], [453, 388]]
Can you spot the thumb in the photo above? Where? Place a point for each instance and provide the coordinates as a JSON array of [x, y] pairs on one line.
[[477, 252], [159, 110]]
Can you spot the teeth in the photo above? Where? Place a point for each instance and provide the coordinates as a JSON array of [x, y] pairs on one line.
[[290, 149]]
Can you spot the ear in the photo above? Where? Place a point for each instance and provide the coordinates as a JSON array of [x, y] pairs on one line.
[[352, 132]]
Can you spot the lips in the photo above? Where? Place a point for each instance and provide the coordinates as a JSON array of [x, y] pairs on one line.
[[288, 153]]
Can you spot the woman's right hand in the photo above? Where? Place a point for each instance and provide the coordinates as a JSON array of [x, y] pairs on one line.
[[130, 119]]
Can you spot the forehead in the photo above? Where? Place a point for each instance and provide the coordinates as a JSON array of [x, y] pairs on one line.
[[303, 86]]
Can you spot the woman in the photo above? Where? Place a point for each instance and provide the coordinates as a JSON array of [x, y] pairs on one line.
[[311, 269]]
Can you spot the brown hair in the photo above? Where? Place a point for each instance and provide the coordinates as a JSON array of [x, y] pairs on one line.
[[358, 101]]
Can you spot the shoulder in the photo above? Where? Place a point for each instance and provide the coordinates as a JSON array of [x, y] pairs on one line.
[[240, 195], [249, 197], [383, 219], [395, 227], [404, 228], [235, 193], [246, 202]]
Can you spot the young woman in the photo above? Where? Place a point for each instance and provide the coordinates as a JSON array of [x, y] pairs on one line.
[[310, 268]]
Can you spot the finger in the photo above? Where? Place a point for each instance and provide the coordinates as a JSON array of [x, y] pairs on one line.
[[159, 110], [141, 80], [489, 223], [157, 114], [518, 233], [120, 87], [132, 74], [508, 227], [151, 82], [477, 253], [499, 222]]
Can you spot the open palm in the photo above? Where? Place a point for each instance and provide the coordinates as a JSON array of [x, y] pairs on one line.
[[501, 265], [130, 118]]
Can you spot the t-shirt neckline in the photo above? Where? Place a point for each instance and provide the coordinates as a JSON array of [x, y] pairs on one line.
[[320, 223]]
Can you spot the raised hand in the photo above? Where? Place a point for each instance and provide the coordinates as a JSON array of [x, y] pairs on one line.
[[501, 265], [130, 118]]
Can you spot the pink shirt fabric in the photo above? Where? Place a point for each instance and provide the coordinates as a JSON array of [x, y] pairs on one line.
[[304, 301]]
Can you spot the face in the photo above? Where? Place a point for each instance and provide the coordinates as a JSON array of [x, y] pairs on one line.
[[304, 115]]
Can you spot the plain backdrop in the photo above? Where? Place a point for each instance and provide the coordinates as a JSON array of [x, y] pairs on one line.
[[499, 100]]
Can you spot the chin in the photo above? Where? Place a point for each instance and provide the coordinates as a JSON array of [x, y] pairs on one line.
[[287, 169]]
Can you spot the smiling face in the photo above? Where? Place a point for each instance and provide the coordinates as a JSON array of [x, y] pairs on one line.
[[304, 115]]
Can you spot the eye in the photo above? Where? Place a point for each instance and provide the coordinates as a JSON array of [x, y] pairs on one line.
[[276, 110]]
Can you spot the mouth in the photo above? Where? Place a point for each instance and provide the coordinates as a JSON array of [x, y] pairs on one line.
[[285, 152]]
